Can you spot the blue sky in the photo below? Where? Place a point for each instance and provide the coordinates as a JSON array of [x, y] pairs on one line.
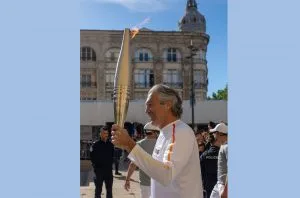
[[164, 15]]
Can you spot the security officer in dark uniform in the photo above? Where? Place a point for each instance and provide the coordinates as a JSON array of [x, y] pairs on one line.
[[102, 152], [209, 167], [209, 159]]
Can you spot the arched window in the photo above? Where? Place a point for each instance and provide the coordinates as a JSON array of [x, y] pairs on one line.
[[143, 55], [87, 54], [112, 54], [172, 55]]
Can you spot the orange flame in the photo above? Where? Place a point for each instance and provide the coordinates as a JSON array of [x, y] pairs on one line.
[[135, 30]]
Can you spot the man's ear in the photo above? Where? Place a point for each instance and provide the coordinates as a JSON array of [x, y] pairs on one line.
[[168, 105]]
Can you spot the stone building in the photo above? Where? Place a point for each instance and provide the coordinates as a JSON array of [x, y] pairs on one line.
[[156, 57]]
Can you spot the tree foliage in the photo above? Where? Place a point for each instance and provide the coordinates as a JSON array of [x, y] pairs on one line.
[[221, 94]]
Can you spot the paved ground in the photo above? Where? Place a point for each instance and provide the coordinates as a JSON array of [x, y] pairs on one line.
[[87, 187]]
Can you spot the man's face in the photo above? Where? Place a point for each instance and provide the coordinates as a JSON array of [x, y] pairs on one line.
[[104, 135], [199, 138], [221, 136], [218, 135], [155, 109]]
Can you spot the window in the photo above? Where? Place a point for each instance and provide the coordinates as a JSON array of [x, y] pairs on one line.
[[109, 78], [87, 54], [173, 78], [141, 58], [146, 58], [86, 80], [143, 55], [172, 55], [112, 54], [143, 78]]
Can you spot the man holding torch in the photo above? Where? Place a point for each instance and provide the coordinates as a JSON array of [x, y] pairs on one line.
[[174, 166]]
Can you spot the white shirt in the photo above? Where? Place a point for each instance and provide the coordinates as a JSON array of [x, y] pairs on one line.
[[174, 167]]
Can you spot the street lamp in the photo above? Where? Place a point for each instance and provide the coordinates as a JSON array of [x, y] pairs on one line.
[[193, 51]]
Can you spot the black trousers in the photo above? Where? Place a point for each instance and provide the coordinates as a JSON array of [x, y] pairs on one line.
[[116, 162], [100, 177]]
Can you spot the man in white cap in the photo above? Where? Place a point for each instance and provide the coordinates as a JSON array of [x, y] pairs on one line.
[[220, 189], [147, 144], [220, 133]]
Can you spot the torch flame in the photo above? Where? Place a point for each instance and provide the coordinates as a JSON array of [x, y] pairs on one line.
[[135, 30]]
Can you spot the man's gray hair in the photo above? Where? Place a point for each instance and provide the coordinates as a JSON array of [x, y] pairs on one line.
[[168, 94]]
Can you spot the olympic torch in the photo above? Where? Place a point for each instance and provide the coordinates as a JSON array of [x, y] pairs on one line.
[[122, 81]]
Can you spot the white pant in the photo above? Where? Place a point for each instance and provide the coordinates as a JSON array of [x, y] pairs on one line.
[[145, 191]]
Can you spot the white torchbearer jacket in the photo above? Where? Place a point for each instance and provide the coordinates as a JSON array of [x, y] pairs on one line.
[[174, 166]]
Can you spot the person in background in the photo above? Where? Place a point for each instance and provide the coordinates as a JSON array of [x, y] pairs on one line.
[[117, 156], [147, 144], [220, 189], [199, 136], [102, 152], [201, 148], [200, 141], [209, 159]]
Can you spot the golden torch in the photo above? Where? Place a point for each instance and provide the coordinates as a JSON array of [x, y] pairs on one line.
[[122, 81]]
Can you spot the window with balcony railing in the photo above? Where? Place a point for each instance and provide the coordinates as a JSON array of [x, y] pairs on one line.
[[172, 78], [87, 54], [143, 78]]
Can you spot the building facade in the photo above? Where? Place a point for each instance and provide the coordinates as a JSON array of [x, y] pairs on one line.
[[156, 57]]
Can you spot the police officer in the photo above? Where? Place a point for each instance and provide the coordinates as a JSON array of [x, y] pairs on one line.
[[209, 159], [102, 152]]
